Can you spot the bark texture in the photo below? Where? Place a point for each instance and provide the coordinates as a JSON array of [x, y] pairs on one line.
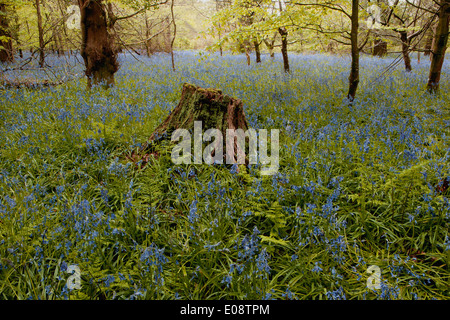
[[429, 41], [379, 48], [257, 51], [6, 50], [284, 51], [97, 48], [270, 44], [439, 46], [354, 72], [405, 50], [210, 106], [40, 34]]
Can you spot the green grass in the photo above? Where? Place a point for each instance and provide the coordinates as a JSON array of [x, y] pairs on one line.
[[356, 187]]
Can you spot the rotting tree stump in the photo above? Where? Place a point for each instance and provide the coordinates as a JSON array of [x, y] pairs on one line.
[[210, 106]]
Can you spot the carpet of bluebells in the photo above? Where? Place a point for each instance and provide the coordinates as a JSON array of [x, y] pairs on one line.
[[359, 185]]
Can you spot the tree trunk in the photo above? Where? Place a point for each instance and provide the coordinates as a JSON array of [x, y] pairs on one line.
[[257, 51], [6, 47], [429, 41], [219, 33], [210, 107], [59, 44], [97, 48], [147, 35], [331, 47], [439, 46], [41, 34], [168, 36], [220, 46], [247, 55], [405, 50], [270, 45], [55, 42], [174, 35], [379, 48], [244, 47], [63, 34], [284, 52], [354, 72]]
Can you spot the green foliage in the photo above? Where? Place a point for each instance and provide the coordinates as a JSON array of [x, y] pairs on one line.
[[356, 187]]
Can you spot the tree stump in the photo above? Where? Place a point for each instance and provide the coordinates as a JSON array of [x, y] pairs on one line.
[[210, 106]]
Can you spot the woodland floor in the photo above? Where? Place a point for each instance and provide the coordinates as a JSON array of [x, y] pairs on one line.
[[358, 185]]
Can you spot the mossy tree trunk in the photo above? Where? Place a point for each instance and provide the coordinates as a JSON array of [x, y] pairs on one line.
[[257, 50], [354, 71], [97, 48], [439, 46], [147, 41], [284, 50], [270, 44], [40, 34], [405, 50], [173, 36], [429, 41], [6, 47]]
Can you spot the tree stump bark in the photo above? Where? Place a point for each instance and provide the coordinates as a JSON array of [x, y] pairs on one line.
[[210, 106]]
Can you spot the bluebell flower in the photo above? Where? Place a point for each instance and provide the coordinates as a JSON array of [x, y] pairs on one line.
[[63, 266], [11, 202], [316, 268], [447, 243], [192, 216], [262, 261], [337, 294], [108, 280], [137, 293], [288, 294], [212, 246], [227, 280]]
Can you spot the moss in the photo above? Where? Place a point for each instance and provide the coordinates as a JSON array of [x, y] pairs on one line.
[[200, 104]]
